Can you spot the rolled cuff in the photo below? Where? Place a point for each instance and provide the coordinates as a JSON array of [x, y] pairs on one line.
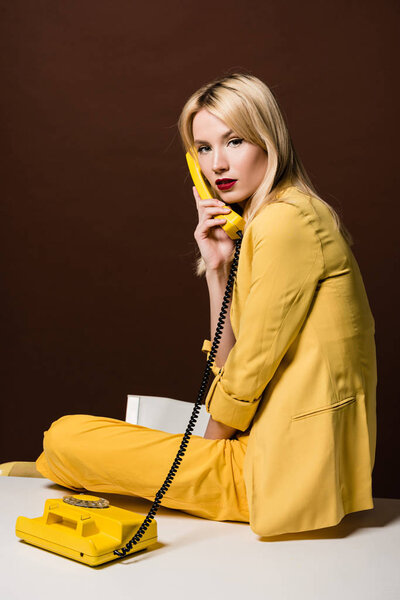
[[226, 409]]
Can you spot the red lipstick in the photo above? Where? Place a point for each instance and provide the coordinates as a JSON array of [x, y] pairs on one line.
[[225, 184]]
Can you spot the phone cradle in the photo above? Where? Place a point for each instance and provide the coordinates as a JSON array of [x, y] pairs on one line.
[[85, 528]]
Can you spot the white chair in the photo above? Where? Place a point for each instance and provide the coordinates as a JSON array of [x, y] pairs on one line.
[[165, 414]]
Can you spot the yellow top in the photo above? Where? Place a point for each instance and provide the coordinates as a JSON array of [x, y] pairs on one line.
[[301, 377]]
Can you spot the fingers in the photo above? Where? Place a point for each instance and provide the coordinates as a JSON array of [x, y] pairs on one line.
[[207, 201], [196, 195], [209, 212], [210, 207], [203, 228], [214, 222]]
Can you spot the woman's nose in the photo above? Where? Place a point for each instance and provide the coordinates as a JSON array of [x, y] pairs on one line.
[[220, 161]]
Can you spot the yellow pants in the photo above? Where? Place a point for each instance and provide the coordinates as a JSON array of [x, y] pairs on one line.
[[100, 454]]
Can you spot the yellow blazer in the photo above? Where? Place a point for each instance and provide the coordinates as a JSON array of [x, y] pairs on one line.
[[302, 374]]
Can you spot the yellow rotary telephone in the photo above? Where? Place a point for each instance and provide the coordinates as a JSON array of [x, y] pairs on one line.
[[85, 528]]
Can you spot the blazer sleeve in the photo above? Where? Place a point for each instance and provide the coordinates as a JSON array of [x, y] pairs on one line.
[[286, 264]]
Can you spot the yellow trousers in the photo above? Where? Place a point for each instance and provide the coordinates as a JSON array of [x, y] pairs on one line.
[[100, 454]]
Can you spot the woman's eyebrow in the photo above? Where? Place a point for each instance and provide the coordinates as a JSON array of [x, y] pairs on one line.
[[205, 142]]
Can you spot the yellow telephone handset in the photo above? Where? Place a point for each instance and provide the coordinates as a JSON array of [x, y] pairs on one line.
[[234, 222]]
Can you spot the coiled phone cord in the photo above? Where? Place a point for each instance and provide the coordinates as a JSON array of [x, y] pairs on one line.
[[185, 440]]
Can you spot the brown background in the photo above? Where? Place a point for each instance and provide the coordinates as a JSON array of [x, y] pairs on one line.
[[99, 297]]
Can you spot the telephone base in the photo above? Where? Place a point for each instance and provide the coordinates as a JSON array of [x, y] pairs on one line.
[[87, 535]]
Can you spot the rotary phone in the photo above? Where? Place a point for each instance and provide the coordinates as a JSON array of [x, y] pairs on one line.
[[86, 528]]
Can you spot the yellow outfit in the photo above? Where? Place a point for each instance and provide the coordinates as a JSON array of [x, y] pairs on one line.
[[302, 370], [101, 454], [299, 384]]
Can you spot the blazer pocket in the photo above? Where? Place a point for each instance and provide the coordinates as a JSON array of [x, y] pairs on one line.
[[329, 408]]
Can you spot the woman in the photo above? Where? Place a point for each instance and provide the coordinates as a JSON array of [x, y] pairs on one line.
[[290, 445]]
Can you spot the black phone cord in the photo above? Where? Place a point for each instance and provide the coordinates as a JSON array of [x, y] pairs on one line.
[[189, 430]]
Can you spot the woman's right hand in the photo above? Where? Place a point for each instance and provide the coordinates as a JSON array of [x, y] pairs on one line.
[[215, 245]]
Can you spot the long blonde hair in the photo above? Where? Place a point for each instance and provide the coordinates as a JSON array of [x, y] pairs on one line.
[[248, 107]]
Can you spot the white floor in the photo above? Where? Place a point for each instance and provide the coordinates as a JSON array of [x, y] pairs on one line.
[[199, 559]]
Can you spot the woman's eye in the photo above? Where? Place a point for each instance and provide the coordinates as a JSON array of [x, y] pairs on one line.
[[237, 140]]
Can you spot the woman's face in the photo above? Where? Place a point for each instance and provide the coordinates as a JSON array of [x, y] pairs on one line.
[[223, 155]]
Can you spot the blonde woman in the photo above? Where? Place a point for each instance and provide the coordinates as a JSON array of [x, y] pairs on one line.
[[290, 444]]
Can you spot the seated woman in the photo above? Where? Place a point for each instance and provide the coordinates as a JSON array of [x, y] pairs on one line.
[[290, 445]]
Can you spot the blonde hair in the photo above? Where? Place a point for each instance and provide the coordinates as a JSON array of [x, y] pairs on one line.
[[248, 107]]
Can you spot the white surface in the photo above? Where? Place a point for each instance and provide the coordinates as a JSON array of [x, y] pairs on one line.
[[165, 414], [195, 558]]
